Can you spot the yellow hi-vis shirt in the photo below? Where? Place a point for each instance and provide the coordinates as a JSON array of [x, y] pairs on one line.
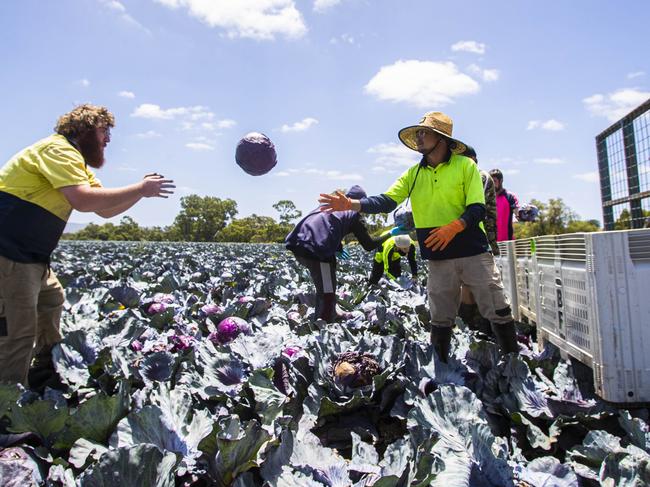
[[33, 212], [441, 194]]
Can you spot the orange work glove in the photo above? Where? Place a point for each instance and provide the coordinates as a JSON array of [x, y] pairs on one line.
[[440, 237]]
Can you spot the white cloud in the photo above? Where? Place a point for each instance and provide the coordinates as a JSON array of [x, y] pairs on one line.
[[114, 5], [322, 5], [635, 74], [199, 146], [120, 9], [84, 82], [589, 177], [343, 39], [126, 94], [392, 157], [469, 46], [488, 75], [301, 126], [190, 114], [332, 175], [340, 176], [510, 172], [149, 134], [226, 123], [149, 110], [614, 106], [552, 161], [282, 174], [256, 19], [421, 83], [550, 125]]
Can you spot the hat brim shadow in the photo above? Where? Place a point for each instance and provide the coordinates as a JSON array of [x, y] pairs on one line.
[[408, 138]]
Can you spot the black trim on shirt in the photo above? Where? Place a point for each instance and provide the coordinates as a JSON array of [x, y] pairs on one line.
[[474, 214], [28, 232], [471, 241]]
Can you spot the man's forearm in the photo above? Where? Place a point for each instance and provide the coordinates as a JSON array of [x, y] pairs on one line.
[[376, 204], [94, 199], [121, 208]]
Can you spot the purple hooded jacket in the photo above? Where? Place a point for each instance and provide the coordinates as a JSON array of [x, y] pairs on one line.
[[319, 235]]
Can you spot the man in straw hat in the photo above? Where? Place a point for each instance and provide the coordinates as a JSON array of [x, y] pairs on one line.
[[448, 205]]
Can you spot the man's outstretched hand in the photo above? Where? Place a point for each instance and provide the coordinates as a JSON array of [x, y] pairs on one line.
[[155, 185], [334, 202]]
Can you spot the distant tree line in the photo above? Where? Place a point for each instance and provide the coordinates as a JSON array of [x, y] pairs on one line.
[[555, 218], [201, 219], [212, 219]]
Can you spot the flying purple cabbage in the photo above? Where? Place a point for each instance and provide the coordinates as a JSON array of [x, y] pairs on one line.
[[256, 154]]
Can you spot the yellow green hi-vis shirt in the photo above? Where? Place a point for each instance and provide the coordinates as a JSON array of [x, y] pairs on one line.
[[33, 212], [440, 195]]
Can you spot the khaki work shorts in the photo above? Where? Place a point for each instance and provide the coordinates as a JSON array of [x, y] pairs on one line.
[[477, 273], [31, 301]]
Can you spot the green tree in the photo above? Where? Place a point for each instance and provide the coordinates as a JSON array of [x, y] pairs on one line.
[[624, 220], [583, 226], [128, 229], [555, 218], [201, 218], [154, 234], [93, 231], [287, 210], [254, 228]]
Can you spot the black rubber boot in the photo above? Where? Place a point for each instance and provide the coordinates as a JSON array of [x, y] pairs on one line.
[[41, 373], [328, 309], [483, 326], [441, 341], [467, 313], [506, 337]]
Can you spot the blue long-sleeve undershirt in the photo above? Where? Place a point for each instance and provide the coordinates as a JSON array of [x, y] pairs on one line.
[[378, 204]]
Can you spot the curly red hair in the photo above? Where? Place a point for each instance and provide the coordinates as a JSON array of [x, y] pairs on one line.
[[82, 119]]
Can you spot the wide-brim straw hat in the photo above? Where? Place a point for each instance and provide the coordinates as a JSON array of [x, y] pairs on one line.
[[436, 122]]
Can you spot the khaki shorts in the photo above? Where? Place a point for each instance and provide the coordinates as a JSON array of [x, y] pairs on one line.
[[31, 301], [477, 273]]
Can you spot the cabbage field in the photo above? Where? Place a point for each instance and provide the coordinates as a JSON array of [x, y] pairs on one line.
[[160, 389]]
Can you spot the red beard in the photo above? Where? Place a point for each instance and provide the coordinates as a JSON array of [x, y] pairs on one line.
[[91, 150]]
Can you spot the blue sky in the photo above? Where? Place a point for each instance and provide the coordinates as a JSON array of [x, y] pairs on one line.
[[529, 84]]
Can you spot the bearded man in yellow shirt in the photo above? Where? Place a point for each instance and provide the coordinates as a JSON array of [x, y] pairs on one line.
[[39, 188]]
